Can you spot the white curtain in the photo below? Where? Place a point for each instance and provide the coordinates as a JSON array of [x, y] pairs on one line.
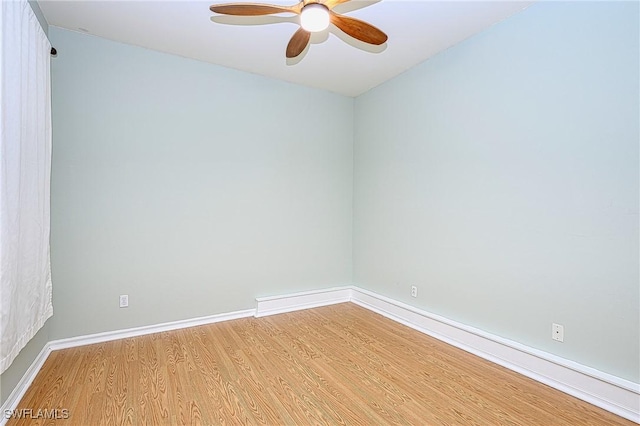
[[25, 170]]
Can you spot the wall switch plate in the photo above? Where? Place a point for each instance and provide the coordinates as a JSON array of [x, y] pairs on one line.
[[557, 332], [124, 300], [414, 291]]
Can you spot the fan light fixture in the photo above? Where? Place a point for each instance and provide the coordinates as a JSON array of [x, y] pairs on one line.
[[314, 17]]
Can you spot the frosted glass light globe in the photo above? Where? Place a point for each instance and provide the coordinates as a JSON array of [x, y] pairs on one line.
[[314, 17]]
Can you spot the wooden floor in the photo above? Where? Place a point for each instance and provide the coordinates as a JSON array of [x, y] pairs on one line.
[[333, 365]]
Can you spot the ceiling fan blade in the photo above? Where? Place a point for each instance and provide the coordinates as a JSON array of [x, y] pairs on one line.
[[298, 43], [359, 29], [252, 9], [333, 3]]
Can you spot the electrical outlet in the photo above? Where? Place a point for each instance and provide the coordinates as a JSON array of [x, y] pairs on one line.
[[124, 300], [557, 332], [414, 291]]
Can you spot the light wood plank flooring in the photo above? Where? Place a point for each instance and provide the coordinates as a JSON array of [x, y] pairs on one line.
[[334, 365]]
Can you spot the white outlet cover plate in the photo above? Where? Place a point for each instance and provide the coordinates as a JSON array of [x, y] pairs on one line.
[[557, 332]]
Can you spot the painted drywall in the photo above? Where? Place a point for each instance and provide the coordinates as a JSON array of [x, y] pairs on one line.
[[501, 178], [41, 19], [190, 187]]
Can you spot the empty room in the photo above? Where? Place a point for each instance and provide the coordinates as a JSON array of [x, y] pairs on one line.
[[327, 212]]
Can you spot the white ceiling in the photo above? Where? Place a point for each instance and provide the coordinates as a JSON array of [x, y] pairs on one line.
[[417, 30]]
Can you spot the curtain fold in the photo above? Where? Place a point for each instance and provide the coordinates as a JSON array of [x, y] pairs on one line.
[[25, 176]]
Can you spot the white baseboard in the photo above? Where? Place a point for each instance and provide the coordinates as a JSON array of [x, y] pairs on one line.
[[21, 388], [147, 329], [305, 300], [619, 396]]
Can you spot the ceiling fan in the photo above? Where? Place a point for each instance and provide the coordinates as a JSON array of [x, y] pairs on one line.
[[315, 16]]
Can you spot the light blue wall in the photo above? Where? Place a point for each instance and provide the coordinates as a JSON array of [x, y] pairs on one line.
[[36, 10], [501, 178], [190, 187]]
